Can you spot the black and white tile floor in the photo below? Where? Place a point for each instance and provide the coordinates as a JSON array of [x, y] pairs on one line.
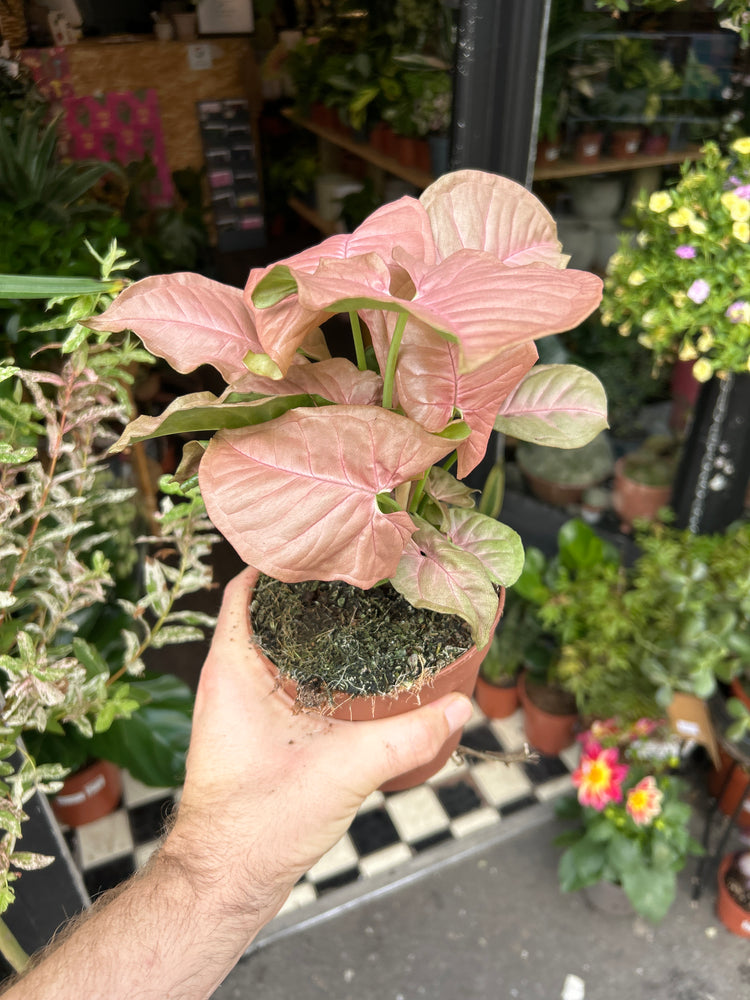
[[388, 830]]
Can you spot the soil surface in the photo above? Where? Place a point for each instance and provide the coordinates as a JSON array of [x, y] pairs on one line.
[[550, 698], [334, 637]]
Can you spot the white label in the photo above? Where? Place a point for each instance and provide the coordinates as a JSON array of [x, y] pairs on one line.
[[199, 57], [687, 728]]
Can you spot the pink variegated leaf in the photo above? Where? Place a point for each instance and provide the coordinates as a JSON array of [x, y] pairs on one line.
[[335, 379], [433, 573], [297, 497], [562, 406], [445, 488], [187, 319], [498, 547], [197, 412], [283, 322], [480, 211], [431, 388]]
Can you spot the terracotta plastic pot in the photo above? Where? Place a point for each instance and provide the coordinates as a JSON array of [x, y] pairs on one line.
[[728, 910], [546, 731], [733, 792], [548, 151], [89, 794], [497, 701], [632, 499], [557, 494], [625, 142], [460, 675], [588, 147]]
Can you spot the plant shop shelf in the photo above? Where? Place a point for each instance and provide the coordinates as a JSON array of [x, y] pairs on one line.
[[419, 178], [561, 169]]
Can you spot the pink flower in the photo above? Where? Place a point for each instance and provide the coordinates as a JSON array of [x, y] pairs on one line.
[[643, 728], [685, 251], [599, 777], [743, 191], [738, 312], [644, 801], [699, 291]]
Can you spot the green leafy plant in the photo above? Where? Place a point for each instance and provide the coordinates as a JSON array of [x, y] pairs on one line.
[[69, 645], [632, 827], [679, 285], [653, 462], [589, 464]]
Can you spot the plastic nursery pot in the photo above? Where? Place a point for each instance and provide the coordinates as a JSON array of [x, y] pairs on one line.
[[497, 701], [548, 731], [548, 151], [734, 917], [460, 675], [625, 142], [588, 147], [632, 499], [557, 494], [732, 793], [89, 794]]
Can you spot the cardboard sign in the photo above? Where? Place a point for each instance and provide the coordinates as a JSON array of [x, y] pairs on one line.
[[690, 720]]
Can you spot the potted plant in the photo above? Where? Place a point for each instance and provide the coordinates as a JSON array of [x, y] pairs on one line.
[[327, 470], [643, 479], [496, 690], [733, 896], [56, 425], [561, 476], [679, 287], [632, 829]]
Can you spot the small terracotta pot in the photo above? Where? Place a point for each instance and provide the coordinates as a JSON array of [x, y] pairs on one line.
[[557, 494], [89, 794], [734, 791], [548, 151], [497, 701], [460, 675], [625, 142], [547, 732], [728, 910], [655, 145], [588, 147], [632, 499]]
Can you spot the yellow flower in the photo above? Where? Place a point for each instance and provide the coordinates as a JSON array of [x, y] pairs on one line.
[[679, 299], [606, 318], [687, 352], [702, 370], [698, 226], [682, 217], [660, 201], [649, 318], [624, 329], [741, 145], [643, 239], [741, 231], [645, 340], [705, 341], [728, 199], [636, 278], [740, 210]]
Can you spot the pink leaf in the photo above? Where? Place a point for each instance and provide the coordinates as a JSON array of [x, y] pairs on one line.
[[480, 211], [496, 546], [284, 326], [297, 497], [335, 379], [434, 573], [430, 387], [561, 406], [186, 319]]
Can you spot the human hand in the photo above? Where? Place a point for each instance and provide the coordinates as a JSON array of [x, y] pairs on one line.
[[268, 792]]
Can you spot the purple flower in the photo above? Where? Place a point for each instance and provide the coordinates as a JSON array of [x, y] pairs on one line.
[[743, 191], [738, 312], [685, 251], [699, 291]]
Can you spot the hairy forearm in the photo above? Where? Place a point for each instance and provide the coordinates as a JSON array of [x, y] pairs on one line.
[[172, 932]]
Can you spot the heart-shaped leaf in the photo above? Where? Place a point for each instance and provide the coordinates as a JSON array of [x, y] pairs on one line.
[[480, 211], [433, 573], [562, 406], [187, 319], [297, 497], [445, 488], [498, 547]]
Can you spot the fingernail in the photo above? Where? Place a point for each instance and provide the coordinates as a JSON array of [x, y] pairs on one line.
[[458, 713]]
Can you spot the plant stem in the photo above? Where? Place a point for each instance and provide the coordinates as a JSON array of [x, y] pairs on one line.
[[359, 345], [390, 366], [449, 461], [418, 493], [11, 949]]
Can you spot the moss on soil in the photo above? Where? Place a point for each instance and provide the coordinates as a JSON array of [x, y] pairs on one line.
[[334, 637]]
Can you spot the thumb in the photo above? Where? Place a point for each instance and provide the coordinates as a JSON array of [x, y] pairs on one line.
[[400, 743]]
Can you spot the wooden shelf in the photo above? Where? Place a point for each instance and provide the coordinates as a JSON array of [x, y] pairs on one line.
[[419, 178], [561, 169]]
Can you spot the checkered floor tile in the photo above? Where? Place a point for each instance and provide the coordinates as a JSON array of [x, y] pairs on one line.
[[389, 829]]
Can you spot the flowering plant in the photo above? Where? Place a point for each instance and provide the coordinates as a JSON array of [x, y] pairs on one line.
[[682, 283], [632, 828], [326, 469]]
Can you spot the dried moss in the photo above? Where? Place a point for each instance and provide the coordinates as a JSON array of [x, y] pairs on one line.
[[335, 637]]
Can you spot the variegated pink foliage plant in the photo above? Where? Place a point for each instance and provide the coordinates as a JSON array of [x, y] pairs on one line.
[[323, 469]]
